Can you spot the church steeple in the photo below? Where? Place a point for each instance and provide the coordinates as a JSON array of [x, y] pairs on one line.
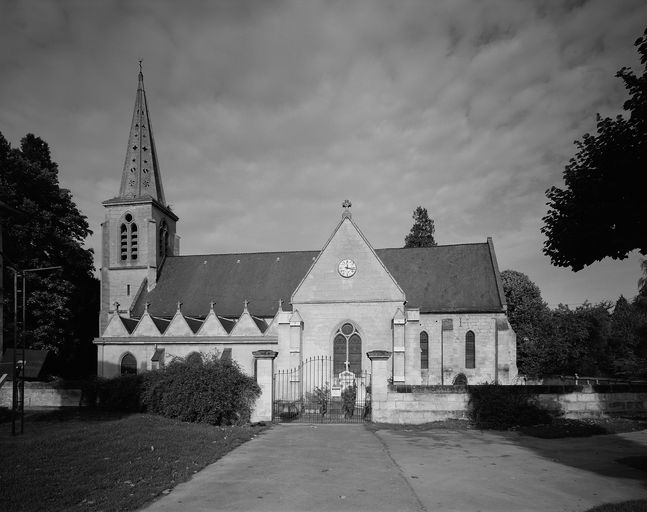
[[139, 232], [141, 176]]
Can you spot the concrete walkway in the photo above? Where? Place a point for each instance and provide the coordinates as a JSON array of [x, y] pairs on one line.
[[350, 467]]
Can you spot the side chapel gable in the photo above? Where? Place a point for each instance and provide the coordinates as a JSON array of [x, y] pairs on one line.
[[212, 326], [116, 328], [178, 326], [246, 325], [146, 327]]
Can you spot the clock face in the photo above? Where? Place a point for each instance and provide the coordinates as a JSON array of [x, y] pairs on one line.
[[347, 268]]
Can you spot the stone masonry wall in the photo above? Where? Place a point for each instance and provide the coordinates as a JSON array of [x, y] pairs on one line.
[[109, 356], [443, 368], [40, 394], [442, 403]]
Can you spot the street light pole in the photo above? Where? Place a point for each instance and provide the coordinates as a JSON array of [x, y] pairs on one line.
[[14, 380], [18, 380]]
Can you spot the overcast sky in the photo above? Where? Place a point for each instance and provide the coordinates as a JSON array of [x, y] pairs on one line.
[[268, 114]]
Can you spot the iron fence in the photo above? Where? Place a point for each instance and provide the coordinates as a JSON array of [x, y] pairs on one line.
[[314, 393]]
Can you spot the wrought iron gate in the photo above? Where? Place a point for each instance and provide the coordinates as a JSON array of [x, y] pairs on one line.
[[313, 393]]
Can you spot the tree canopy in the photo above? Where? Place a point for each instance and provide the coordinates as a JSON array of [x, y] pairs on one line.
[[422, 231], [48, 230], [599, 213], [592, 339]]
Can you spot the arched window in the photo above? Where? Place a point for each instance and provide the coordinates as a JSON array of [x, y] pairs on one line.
[[163, 239], [424, 351], [194, 359], [128, 364], [347, 350], [470, 350], [460, 380], [128, 238]]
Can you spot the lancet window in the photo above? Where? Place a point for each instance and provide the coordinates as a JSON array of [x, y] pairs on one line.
[[163, 239], [347, 350], [129, 239], [424, 351], [470, 350]]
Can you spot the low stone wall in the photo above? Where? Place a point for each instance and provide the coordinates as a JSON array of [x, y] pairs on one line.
[[585, 404], [41, 394], [417, 404], [421, 407]]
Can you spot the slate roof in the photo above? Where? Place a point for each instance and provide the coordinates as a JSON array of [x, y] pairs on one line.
[[229, 280], [447, 278]]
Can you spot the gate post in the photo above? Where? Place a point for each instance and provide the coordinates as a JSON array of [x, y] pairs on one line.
[[264, 360], [379, 379]]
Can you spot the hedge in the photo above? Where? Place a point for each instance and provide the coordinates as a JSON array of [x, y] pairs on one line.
[[214, 391]]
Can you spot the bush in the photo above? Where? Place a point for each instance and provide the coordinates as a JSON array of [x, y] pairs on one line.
[[492, 406], [117, 394], [5, 414], [348, 398], [213, 391]]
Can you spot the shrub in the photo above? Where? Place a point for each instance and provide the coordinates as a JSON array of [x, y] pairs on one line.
[[5, 414], [119, 394], [502, 407], [212, 391], [348, 398], [319, 399]]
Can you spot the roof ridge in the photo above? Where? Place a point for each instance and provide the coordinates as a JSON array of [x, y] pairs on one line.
[[440, 245], [201, 255], [238, 253]]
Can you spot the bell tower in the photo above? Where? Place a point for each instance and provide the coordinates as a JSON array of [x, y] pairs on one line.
[[139, 229]]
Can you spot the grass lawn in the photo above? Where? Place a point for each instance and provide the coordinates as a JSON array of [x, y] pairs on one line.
[[92, 460]]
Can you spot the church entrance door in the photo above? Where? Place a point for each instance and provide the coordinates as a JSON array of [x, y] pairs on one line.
[[315, 392]]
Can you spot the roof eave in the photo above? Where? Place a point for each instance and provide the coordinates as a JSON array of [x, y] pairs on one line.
[[124, 201]]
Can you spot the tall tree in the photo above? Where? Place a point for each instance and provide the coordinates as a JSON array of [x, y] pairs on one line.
[[528, 315], [62, 306], [642, 282], [422, 231], [599, 213]]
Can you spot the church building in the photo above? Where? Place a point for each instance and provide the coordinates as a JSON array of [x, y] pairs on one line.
[[440, 311]]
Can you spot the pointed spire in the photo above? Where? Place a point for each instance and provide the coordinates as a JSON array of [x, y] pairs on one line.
[[141, 175]]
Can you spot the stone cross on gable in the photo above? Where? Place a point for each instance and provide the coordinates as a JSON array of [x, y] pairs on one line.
[[212, 304], [179, 305], [146, 304], [280, 304], [347, 364], [246, 303], [116, 304], [346, 205]]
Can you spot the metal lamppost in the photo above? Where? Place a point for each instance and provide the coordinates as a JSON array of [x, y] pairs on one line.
[[18, 381]]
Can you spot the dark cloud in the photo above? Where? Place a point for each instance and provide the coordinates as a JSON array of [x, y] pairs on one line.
[[268, 114]]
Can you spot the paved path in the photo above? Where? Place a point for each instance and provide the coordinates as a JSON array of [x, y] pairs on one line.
[[350, 467], [299, 467], [486, 471]]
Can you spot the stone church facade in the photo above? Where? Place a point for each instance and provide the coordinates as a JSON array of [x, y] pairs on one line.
[[440, 310]]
